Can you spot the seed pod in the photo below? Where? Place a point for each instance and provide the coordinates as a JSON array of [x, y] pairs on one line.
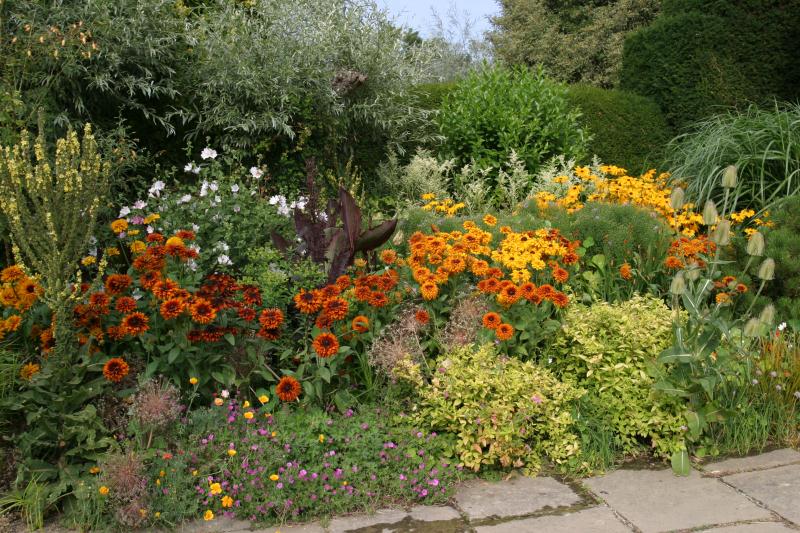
[[729, 177], [710, 213], [766, 271], [676, 199], [767, 315], [678, 285], [722, 233], [755, 244], [752, 328]]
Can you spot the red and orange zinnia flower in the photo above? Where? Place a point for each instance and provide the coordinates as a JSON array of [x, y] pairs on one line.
[[202, 311], [326, 345], [492, 320], [560, 299], [135, 323], [336, 308], [422, 316], [288, 389], [360, 324], [625, 271], [172, 308], [307, 301], [115, 369], [116, 283], [126, 304], [504, 331], [560, 275], [271, 318], [378, 299]]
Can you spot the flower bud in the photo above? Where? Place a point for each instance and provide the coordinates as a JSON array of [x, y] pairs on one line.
[[766, 271], [710, 213], [767, 315], [729, 177], [722, 233], [678, 285], [676, 199], [752, 328], [755, 244]]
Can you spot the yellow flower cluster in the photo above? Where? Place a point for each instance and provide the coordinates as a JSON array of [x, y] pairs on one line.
[[520, 251], [447, 207]]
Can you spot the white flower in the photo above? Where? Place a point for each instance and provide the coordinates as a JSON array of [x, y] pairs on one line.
[[191, 167], [150, 229], [236, 209], [213, 186], [224, 393], [218, 199], [137, 294], [92, 240], [234, 188], [125, 211], [140, 204], [195, 228], [208, 153], [186, 198], [93, 252], [157, 187], [222, 247], [256, 172], [782, 326], [276, 199], [192, 264], [224, 260], [204, 188]]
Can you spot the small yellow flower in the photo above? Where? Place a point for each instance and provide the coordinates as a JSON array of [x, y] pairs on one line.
[[274, 433], [489, 220], [360, 263], [246, 404], [157, 514], [151, 218], [88, 260], [249, 415], [103, 490], [94, 470], [112, 251], [119, 225], [193, 381], [194, 472], [134, 232], [231, 452], [321, 438], [215, 488], [162, 473], [344, 483], [158, 482], [138, 247], [263, 398], [208, 515], [428, 196], [218, 401], [227, 501], [274, 477]]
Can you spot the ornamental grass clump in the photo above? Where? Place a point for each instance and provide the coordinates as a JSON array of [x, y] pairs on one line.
[[503, 412], [51, 204]]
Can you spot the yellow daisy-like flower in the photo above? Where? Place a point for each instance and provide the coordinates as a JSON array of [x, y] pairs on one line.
[[112, 251], [322, 438], [119, 225], [231, 452], [246, 404], [428, 196], [227, 501], [263, 398], [274, 477], [215, 488], [88, 260], [138, 247], [151, 218], [248, 415], [489, 220], [193, 381], [103, 490], [208, 515]]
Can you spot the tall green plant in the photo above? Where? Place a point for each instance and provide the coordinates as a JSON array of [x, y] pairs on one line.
[[764, 144], [51, 204]]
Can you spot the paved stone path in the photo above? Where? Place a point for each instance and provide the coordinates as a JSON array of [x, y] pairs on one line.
[[758, 494]]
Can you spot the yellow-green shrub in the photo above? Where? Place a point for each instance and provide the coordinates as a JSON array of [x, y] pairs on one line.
[[606, 349], [503, 411]]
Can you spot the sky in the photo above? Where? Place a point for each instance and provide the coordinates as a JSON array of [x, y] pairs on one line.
[[417, 13]]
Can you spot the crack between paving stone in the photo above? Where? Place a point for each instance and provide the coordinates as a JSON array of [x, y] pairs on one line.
[[778, 518], [723, 473], [621, 517], [712, 527]]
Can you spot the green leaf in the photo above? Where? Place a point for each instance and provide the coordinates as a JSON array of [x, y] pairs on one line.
[[694, 422], [680, 463], [324, 373], [230, 338], [675, 354], [669, 388], [173, 355]]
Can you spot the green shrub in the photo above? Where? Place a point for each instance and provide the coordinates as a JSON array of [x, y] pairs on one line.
[[498, 110], [502, 411], [279, 278], [606, 350], [627, 129], [699, 55], [764, 145]]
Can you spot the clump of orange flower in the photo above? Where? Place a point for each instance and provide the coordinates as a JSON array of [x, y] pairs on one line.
[[504, 331], [360, 324], [326, 345]]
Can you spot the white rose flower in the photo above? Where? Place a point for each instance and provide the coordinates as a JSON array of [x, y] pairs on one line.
[[208, 153]]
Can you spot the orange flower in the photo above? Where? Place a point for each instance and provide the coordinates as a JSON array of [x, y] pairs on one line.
[[12, 273], [570, 258], [489, 285], [288, 389], [202, 311], [673, 263], [360, 324], [560, 300], [172, 308], [625, 271], [504, 332], [343, 282], [429, 290], [363, 293], [528, 290], [560, 275], [246, 314], [723, 298], [491, 320], [154, 237], [329, 291], [489, 220], [509, 294], [271, 318], [174, 246], [126, 304], [164, 289], [186, 235], [546, 291], [741, 288], [115, 369], [326, 345], [378, 299], [388, 256], [269, 334], [149, 279], [479, 267], [422, 316], [116, 283], [135, 323], [98, 301], [307, 302], [336, 308]]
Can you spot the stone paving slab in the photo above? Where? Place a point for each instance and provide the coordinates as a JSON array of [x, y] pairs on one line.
[[518, 496], [658, 500], [299, 528], [434, 513], [599, 519], [754, 462], [778, 489], [218, 525], [757, 527], [373, 521]]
